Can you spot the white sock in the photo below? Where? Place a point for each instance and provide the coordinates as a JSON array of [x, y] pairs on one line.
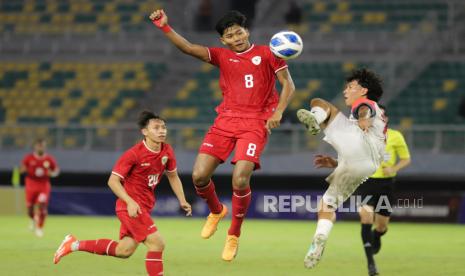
[[324, 227], [75, 246], [319, 113]]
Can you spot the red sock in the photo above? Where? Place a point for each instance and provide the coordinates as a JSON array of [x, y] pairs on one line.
[[240, 205], [208, 193], [154, 263], [100, 247], [42, 215]]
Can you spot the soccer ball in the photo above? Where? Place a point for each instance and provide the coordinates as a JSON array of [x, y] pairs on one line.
[[286, 45]]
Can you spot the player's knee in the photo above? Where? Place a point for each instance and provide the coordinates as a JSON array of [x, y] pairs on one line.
[[381, 228], [240, 182], [365, 218], [124, 252], [200, 178], [155, 244]]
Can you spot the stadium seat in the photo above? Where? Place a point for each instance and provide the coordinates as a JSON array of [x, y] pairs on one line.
[[80, 17], [73, 93]]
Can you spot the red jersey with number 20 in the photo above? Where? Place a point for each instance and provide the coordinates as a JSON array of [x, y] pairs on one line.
[[141, 169], [247, 81]]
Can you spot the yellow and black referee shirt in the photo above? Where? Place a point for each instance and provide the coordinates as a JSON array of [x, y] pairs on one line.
[[396, 148]]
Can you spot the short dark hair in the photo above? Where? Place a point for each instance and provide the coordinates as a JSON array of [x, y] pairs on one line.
[[368, 80], [144, 118], [230, 19]]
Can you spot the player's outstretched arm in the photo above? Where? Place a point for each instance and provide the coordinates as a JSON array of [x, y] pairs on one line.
[[176, 186], [288, 88], [114, 182], [397, 167], [55, 172], [160, 20]]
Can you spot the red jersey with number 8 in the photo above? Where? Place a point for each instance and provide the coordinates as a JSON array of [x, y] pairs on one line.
[[247, 81], [141, 169]]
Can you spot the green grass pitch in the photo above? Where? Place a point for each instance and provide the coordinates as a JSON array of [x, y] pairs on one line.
[[267, 247]]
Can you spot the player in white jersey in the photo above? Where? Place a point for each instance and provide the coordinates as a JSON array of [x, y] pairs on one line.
[[359, 142]]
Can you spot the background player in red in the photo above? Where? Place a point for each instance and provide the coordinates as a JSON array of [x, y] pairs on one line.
[[251, 107], [133, 180], [39, 167]]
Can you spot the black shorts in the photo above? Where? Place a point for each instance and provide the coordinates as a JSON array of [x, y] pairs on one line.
[[378, 193]]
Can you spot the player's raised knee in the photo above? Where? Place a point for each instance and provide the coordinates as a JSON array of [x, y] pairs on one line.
[[200, 177]]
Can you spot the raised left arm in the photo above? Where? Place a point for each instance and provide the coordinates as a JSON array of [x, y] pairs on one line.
[[288, 88]]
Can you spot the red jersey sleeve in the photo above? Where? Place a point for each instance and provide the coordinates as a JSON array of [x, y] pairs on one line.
[[124, 164], [171, 164], [214, 55], [276, 63]]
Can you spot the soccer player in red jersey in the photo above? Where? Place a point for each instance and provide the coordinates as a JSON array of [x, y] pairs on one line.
[[39, 167], [133, 180], [251, 107]]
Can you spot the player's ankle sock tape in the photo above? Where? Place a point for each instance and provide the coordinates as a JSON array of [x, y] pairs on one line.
[[319, 113]]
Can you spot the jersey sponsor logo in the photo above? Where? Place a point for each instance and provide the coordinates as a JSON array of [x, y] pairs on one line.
[[256, 60], [233, 60], [164, 159], [145, 164], [208, 145], [39, 172]]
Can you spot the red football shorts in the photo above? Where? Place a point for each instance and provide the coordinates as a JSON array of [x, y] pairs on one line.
[[37, 193], [137, 228], [247, 137]]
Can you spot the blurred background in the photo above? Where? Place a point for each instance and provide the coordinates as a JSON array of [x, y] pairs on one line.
[[78, 73]]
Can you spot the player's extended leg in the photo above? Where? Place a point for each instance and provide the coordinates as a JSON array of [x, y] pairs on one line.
[[366, 218], [326, 219], [240, 204], [41, 215], [321, 114], [31, 215], [31, 198], [381, 227], [204, 167], [154, 257], [122, 249]]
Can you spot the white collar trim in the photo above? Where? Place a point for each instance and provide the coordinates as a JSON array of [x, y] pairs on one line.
[[248, 50], [149, 149]]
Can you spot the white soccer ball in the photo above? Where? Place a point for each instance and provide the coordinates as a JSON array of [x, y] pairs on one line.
[[286, 45]]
